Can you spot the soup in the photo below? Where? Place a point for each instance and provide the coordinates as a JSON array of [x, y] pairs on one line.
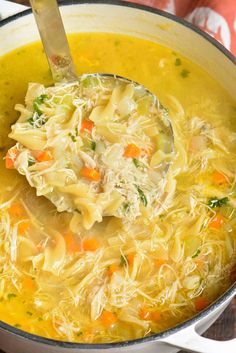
[[122, 280]]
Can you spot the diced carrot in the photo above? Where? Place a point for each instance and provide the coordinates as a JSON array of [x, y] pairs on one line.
[[113, 268], [201, 303], [91, 244], [44, 156], [72, 244], [219, 178], [23, 226], [156, 315], [159, 263], [108, 318], [130, 258], [132, 151], [90, 173], [11, 156], [145, 314], [200, 263], [16, 210], [216, 222], [28, 283], [87, 125]]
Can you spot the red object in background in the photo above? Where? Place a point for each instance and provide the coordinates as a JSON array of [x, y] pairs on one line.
[[216, 17]]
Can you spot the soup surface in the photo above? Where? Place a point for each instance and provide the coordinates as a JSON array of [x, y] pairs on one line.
[[122, 280]]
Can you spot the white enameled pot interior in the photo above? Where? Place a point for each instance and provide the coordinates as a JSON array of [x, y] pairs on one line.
[[132, 21]]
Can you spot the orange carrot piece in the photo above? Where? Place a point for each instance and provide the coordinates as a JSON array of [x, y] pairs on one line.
[[200, 263], [16, 210], [28, 283], [87, 125], [72, 244], [156, 315], [23, 226], [90, 173], [216, 222], [130, 258], [201, 303], [132, 151], [91, 244], [113, 268], [44, 156], [108, 319], [219, 178], [11, 156], [145, 314], [159, 263]]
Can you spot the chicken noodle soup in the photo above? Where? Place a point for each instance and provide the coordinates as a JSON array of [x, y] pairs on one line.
[[117, 146], [122, 279]]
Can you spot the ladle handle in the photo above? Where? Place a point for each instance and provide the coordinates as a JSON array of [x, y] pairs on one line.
[[53, 35]]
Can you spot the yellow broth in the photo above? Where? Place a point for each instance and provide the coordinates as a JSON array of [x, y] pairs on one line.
[[152, 259]]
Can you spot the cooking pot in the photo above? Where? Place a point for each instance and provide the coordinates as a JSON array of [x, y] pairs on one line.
[[166, 29]]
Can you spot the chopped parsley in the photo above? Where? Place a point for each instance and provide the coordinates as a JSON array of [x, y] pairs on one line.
[[73, 137], [37, 102], [215, 202], [40, 319], [126, 207], [197, 252], [178, 62], [29, 313], [137, 163], [93, 145], [79, 333], [184, 73], [142, 196], [31, 161], [17, 325], [10, 296], [36, 121], [123, 260]]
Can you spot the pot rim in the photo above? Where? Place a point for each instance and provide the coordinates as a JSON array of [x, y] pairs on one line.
[[213, 306]]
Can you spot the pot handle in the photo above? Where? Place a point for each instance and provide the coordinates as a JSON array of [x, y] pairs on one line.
[[191, 341], [8, 8]]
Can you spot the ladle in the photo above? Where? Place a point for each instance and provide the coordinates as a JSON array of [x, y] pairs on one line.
[[52, 32]]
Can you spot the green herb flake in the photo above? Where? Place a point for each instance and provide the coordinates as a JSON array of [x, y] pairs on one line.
[[136, 162], [36, 121], [11, 295], [93, 145], [29, 313], [178, 62], [40, 319], [79, 333], [31, 162], [161, 216], [184, 73], [197, 252], [142, 196], [17, 325], [37, 102], [126, 207], [123, 260], [215, 202], [73, 138]]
